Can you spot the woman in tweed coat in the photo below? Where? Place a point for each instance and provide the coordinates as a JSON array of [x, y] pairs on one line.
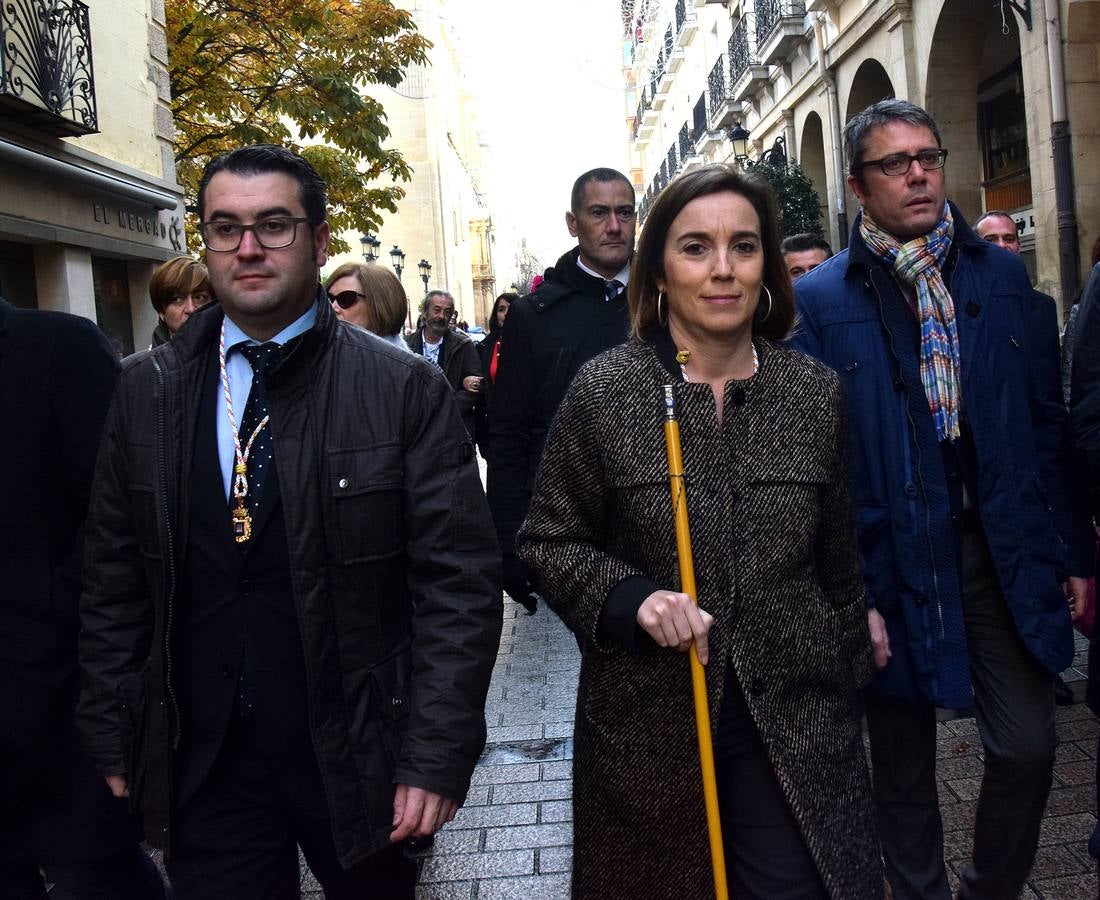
[[781, 623]]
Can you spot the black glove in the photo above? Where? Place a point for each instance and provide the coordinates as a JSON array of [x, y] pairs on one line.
[[517, 582]]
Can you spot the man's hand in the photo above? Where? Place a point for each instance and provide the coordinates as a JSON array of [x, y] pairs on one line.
[[419, 813], [673, 620], [1077, 594], [472, 383], [117, 784], [880, 640]]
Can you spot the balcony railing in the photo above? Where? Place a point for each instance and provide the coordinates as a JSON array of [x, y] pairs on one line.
[[46, 77], [662, 176], [742, 50], [769, 13], [699, 117], [685, 143], [673, 162], [716, 83]]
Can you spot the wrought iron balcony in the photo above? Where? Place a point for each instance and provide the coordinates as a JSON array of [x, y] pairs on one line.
[[778, 28], [46, 77], [662, 176], [686, 22], [699, 117], [685, 142], [673, 162], [747, 74]]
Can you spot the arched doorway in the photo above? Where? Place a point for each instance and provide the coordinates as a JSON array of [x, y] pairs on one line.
[[811, 157], [975, 92], [871, 84]]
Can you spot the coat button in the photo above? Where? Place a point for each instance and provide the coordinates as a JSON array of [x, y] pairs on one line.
[[397, 702], [921, 599], [910, 490], [343, 483], [739, 397], [756, 687], [245, 587]]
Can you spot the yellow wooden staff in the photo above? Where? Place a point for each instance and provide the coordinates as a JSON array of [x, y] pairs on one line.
[[698, 679]]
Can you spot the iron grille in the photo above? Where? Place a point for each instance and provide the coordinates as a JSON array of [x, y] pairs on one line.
[[716, 84], [668, 45], [699, 116], [681, 15], [769, 12], [687, 145], [662, 178], [46, 74], [742, 50], [673, 166]]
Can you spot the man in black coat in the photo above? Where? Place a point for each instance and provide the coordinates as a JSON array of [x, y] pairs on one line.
[[292, 603], [451, 350], [577, 312], [57, 373], [1085, 422]]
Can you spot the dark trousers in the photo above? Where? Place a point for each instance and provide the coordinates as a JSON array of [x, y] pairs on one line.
[[766, 857], [1014, 707], [239, 835]]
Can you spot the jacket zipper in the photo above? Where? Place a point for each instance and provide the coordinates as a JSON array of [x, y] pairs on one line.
[[920, 460], [162, 469]]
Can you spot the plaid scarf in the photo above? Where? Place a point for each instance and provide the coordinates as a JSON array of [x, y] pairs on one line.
[[918, 263]]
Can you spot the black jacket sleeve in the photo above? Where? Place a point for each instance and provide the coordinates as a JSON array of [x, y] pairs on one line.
[[1085, 388], [510, 426]]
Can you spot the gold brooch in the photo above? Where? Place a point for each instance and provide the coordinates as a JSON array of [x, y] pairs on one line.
[[682, 357]]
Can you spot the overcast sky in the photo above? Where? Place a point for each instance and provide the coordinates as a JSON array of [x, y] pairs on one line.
[[548, 81]]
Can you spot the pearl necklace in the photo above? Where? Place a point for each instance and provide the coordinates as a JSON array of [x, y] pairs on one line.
[[684, 355]]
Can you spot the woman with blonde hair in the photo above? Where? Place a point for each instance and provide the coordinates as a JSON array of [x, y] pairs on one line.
[[780, 625], [370, 297]]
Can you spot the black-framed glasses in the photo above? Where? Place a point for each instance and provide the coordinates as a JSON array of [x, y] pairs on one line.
[[900, 163], [346, 299], [272, 233]]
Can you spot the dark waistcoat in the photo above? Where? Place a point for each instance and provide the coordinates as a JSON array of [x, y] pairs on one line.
[[237, 631]]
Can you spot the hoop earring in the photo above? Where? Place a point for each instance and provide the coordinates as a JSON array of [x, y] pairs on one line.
[[764, 317], [660, 297]]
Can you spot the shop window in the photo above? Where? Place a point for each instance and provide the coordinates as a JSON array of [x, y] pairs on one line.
[[112, 303], [17, 275], [1002, 124]]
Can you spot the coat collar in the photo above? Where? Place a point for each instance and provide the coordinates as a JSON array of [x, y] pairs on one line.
[[860, 256]]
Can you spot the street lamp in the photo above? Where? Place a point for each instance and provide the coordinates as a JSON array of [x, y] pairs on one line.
[[425, 268], [397, 257], [777, 155], [739, 137], [370, 245]]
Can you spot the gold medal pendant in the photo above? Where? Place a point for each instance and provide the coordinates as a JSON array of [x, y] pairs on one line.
[[242, 525]]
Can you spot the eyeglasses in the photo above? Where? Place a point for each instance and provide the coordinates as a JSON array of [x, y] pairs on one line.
[[199, 298], [900, 163], [271, 234], [346, 299]]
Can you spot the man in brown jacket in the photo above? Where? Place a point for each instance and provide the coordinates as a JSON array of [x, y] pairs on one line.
[[292, 596]]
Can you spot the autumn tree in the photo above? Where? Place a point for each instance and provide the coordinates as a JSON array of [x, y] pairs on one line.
[[291, 72]]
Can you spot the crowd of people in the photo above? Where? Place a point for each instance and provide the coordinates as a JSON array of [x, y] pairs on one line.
[[251, 586]]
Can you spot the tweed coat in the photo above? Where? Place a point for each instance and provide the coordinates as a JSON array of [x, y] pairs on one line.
[[777, 566]]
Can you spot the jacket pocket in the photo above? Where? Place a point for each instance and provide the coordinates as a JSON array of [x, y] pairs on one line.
[[131, 698], [389, 681], [366, 488]]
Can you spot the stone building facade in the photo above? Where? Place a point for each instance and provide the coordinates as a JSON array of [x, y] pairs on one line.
[[444, 217], [89, 203], [1000, 78]]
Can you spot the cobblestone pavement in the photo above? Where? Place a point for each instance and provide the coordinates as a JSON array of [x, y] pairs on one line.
[[512, 839]]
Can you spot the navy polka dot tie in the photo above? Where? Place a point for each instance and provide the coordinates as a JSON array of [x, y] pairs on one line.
[[612, 289], [263, 359]]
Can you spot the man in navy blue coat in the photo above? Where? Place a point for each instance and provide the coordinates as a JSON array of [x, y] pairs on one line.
[[971, 539]]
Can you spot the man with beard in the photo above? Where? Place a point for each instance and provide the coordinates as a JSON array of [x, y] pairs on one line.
[[451, 350], [578, 311], [966, 516], [291, 606]]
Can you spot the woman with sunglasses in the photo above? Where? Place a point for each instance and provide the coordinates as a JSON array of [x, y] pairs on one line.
[[370, 297]]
